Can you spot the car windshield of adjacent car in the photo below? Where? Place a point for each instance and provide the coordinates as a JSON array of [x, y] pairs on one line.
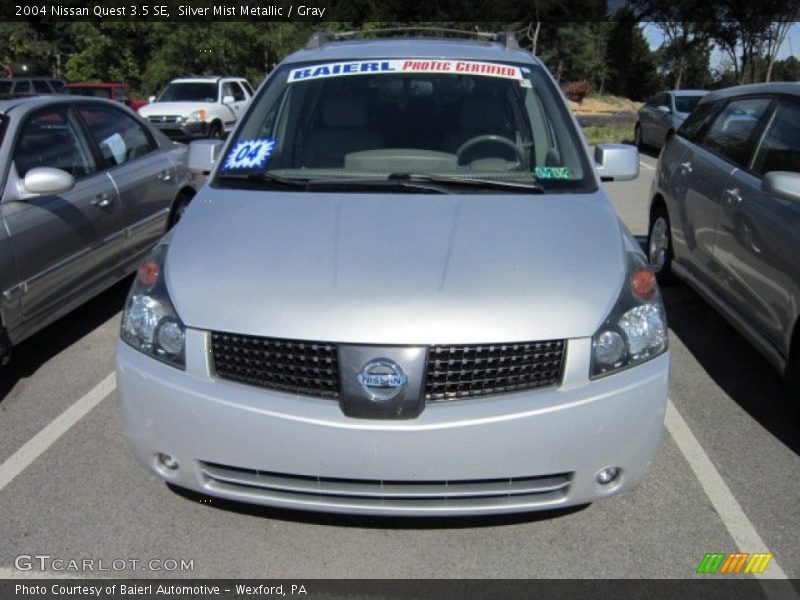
[[188, 91], [409, 118], [96, 92], [685, 103]]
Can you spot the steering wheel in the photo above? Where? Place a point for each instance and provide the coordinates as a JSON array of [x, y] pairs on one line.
[[490, 138]]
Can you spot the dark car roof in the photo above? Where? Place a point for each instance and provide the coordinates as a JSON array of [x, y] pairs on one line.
[[97, 84]]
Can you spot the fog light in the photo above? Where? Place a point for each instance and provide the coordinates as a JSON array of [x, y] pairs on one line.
[[167, 461], [607, 475]]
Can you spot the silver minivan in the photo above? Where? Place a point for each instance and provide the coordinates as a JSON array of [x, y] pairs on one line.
[[403, 291], [725, 214]]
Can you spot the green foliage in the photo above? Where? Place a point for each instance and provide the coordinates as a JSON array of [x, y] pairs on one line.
[[632, 65], [612, 55]]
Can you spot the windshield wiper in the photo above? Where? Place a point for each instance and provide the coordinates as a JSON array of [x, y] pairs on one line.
[[391, 184], [529, 187], [265, 178]]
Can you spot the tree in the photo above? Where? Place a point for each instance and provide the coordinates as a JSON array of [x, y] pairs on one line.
[[631, 63], [688, 28]]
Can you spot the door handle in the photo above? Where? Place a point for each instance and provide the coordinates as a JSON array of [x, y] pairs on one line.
[[102, 200], [686, 168], [165, 175], [731, 196]]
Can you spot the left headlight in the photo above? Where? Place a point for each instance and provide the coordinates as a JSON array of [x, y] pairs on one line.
[[149, 322], [636, 328]]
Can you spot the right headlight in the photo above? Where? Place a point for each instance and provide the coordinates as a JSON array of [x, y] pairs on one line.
[[636, 328], [149, 322]]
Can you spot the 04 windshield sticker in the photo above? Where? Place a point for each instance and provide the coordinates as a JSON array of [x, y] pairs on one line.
[[249, 154], [553, 173], [401, 65]]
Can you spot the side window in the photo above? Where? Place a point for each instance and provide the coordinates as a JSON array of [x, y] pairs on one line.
[[239, 92], [22, 87], [732, 131], [779, 149], [41, 87], [698, 119], [121, 95], [52, 138], [231, 89], [119, 137]]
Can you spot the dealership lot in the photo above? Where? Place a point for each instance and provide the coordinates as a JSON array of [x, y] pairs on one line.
[[725, 477]]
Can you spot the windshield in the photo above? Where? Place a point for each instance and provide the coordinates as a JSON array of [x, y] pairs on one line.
[[410, 117], [686, 104], [188, 92]]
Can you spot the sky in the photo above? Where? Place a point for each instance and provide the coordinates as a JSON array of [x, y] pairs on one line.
[[790, 46]]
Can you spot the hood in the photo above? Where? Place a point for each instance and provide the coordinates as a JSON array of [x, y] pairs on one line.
[[396, 269], [173, 108]]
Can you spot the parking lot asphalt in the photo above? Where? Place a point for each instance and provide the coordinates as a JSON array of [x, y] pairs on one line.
[[725, 478]]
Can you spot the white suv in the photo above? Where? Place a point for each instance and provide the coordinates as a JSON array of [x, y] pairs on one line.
[[198, 107]]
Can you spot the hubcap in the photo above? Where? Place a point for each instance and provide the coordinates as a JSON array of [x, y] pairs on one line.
[[659, 242]]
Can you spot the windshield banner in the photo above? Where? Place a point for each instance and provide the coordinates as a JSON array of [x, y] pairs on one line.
[[404, 65]]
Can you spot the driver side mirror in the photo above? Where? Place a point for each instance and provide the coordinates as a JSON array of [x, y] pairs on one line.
[[616, 162], [782, 184], [228, 100], [47, 181], [663, 108], [151, 99]]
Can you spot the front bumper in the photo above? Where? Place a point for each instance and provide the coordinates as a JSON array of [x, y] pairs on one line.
[[182, 131], [539, 449]]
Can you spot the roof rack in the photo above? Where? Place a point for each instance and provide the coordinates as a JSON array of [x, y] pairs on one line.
[[321, 38]]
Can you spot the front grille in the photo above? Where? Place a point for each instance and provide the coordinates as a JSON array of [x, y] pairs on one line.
[[163, 118], [307, 368], [388, 493], [481, 370]]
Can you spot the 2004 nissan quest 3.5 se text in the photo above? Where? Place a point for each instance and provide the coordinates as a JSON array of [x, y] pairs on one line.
[[401, 292]]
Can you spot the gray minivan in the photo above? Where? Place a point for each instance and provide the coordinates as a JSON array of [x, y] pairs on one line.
[[411, 296], [725, 213]]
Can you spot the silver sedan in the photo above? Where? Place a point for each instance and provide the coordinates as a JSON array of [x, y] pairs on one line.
[[88, 188], [661, 116]]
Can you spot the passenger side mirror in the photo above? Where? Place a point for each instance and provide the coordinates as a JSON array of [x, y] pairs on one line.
[[203, 155], [47, 180], [616, 162], [228, 100], [663, 108], [782, 184], [151, 99]]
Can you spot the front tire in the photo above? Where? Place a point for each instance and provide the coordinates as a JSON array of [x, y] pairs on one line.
[[178, 208], [215, 131], [659, 246]]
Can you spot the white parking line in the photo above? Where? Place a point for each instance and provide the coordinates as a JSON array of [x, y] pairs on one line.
[[728, 508], [36, 446], [646, 166]]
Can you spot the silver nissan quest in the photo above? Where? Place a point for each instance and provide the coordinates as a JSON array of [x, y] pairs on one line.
[[402, 292]]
